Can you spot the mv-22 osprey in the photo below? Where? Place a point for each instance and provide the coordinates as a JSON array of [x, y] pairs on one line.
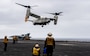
[[40, 21]]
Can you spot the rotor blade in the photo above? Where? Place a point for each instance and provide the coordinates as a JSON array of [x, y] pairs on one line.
[[34, 6], [21, 5], [51, 13], [60, 13], [56, 13]]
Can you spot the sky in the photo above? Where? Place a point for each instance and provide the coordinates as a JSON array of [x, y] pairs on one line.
[[73, 23]]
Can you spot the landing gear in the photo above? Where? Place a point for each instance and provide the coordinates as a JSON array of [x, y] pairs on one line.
[[42, 25]]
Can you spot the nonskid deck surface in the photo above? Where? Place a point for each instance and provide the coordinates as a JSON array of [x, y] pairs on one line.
[[24, 48]]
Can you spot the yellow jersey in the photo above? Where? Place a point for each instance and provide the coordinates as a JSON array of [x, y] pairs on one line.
[[49, 41], [36, 51], [5, 40]]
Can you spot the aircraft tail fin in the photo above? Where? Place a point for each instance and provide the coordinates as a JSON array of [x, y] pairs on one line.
[[55, 19]]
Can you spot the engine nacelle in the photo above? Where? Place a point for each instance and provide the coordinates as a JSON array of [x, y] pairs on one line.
[[27, 14], [55, 19]]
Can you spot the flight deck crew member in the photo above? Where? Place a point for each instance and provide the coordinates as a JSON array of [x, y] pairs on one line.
[[49, 44], [5, 41], [36, 50], [14, 39]]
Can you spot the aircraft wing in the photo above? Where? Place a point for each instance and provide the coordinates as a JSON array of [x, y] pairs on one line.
[[34, 15], [30, 20], [16, 36], [51, 19], [12, 36]]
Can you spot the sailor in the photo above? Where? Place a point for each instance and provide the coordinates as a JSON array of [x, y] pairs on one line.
[[36, 50], [49, 44], [5, 41], [14, 39]]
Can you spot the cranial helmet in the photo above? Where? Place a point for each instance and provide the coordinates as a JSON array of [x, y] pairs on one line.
[[36, 45], [49, 34]]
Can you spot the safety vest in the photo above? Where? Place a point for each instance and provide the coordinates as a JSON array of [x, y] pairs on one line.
[[5, 40], [36, 51], [15, 38], [49, 41]]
